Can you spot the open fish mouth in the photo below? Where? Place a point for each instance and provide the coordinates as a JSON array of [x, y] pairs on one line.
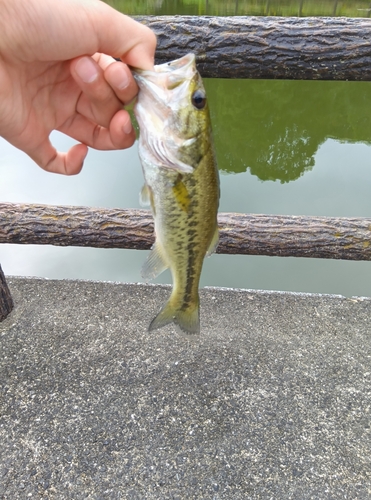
[[168, 77], [178, 65]]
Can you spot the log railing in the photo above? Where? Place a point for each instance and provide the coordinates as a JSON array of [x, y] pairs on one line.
[[311, 48], [232, 47], [247, 234]]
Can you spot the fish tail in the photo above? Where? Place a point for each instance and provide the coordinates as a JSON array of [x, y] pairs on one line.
[[187, 319]]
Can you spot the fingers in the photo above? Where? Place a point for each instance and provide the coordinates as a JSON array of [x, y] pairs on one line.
[[90, 134], [122, 37], [142, 54], [121, 131], [48, 158], [119, 135], [105, 86], [121, 81], [100, 122]]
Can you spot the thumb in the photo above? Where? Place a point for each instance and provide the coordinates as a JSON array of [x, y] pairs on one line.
[[65, 30], [121, 37]]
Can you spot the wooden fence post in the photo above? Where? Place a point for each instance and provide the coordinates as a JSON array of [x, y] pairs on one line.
[[6, 301]]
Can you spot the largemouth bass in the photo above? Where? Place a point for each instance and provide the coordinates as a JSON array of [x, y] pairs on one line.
[[181, 183]]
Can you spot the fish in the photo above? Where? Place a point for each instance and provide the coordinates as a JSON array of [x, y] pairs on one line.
[[181, 183]]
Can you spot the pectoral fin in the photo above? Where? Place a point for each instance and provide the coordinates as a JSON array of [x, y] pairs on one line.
[[155, 263], [181, 195], [144, 196]]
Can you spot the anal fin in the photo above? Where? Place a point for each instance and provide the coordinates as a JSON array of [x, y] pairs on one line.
[[214, 243], [155, 263]]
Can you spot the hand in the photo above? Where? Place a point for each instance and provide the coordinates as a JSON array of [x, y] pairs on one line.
[[57, 72]]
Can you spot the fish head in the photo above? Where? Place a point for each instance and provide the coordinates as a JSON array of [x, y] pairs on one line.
[[172, 113]]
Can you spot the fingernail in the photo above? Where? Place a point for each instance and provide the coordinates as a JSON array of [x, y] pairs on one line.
[[127, 127], [120, 78], [86, 70]]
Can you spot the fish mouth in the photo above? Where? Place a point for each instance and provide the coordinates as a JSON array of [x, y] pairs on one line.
[[182, 64], [166, 76]]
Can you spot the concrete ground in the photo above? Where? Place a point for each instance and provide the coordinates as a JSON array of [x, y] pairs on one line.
[[272, 402]]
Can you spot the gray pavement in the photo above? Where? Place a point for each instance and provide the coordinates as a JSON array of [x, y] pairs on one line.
[[272, 402]]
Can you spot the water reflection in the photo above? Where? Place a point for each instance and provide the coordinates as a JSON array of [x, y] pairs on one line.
[[274, 128]]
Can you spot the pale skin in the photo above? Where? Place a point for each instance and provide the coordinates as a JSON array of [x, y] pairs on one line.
[[58, 72]]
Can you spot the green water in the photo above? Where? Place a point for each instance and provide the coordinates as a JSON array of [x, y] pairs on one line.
[[275, 128], [283, 147], [350, 8]]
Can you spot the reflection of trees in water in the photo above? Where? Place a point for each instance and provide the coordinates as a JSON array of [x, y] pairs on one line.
[[275, 127], [287, 158]]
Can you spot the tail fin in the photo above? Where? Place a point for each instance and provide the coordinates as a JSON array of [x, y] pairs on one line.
[[187, 320]]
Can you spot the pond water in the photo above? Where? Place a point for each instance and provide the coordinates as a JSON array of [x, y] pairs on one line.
[[349, 8], [299, 148]]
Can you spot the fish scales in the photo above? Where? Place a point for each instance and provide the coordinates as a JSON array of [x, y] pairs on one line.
[[181, 183]]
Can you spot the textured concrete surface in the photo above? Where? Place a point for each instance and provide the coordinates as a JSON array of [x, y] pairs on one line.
[[273, 401]]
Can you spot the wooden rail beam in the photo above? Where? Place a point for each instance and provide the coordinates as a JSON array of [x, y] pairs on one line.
[[309, 48], [249, 234]]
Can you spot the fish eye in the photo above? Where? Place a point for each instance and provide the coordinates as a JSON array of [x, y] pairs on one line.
[[199, 99]]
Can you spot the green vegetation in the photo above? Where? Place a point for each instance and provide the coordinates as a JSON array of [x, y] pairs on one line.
[[348, 8]]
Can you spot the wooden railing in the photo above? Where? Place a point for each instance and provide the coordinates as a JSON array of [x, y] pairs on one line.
[[268, 47], [233, 47], [248, 234]]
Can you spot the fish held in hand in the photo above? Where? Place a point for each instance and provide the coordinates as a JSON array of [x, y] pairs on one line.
[[181, 183]]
